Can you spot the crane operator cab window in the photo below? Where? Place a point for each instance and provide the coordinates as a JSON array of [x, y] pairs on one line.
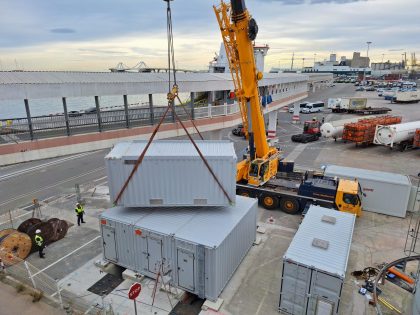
[[259, 169], [351, 199]]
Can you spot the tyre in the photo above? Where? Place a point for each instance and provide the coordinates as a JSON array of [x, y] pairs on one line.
[[269, 202], [289, 205], [243, 192]]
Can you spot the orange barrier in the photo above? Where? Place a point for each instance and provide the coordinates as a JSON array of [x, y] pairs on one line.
[[401, 275], [363, 131]]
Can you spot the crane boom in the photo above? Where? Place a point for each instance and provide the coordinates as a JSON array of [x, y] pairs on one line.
[[239, 30]]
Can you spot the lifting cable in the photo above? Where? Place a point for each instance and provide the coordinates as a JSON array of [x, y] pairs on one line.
[[171, 96]]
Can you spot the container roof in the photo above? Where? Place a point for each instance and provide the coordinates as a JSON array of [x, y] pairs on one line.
[[171, 148], [198, 225], [361, 173], [317, 227]]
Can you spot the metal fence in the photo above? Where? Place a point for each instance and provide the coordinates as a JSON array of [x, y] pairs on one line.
[[32, 276], [19, 129]]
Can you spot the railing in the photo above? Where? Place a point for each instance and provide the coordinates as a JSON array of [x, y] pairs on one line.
[[19, 129]]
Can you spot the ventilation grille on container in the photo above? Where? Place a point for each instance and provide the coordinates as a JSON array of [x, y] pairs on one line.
[[320, 243], [200, 201], [156, 201]]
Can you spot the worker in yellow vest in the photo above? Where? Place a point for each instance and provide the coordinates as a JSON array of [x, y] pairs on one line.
[[39, 241], [79, 212]]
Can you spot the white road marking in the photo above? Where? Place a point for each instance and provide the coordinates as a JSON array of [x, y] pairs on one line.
[[51, 186], [41, 166], [64, 257], [292, 156]]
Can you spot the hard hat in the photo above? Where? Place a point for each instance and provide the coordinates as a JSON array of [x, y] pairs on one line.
[[38, 231]]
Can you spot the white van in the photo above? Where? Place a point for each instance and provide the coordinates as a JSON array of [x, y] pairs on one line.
[[301, 106], [313, 107]]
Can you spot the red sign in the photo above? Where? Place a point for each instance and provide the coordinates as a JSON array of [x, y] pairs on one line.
[[134, 292]]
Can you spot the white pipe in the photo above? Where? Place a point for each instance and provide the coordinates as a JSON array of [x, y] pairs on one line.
[[394, 134], [334, 129]]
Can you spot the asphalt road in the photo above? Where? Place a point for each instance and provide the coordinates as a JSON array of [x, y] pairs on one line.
[[19, 184]]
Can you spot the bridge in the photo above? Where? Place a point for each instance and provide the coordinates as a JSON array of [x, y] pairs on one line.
[[210, 105]]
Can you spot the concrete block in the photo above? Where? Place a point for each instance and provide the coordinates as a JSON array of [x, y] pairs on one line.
[[101, 264], [215, 306], [261, 229], [131, 275], [258, 240]]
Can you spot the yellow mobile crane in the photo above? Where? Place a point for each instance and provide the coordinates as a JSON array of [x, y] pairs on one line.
[[258, 175]]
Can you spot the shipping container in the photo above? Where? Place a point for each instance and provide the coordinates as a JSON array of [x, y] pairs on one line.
[[198, 248], [315, 264], [172, 173], [386, 193]]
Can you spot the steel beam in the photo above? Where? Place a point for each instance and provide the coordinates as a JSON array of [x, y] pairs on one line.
[[98, 113], [66, 116], [28, 116]]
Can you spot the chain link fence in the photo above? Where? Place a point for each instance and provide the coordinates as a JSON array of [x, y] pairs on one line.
[[27, 274]]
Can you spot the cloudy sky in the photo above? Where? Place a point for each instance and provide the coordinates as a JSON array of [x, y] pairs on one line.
[[95, 35]]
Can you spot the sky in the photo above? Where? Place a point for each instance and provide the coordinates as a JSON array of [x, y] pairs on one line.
[[93, 35]]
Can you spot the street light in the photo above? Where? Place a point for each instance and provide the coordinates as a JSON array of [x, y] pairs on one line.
[[367, 53]]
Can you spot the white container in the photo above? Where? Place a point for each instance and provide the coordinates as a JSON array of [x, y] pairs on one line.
[[172, 173], [198, 248], [407, 96], [385, 193], [315, 264], [334, 129], [395, 134]]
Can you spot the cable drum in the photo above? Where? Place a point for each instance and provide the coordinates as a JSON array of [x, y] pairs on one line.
[[4, 233], [27, 224], [15, 247], [60, 228], [47, 232]]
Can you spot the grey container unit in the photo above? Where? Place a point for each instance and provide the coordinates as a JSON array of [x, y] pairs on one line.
[[386, 193], [416, 300], [200, 248], [314, 265], [172, 173]]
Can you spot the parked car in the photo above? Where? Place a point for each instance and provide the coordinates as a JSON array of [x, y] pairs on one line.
[[360, 88], [91, 110], [239, 131], [74, 113], [370, 88]]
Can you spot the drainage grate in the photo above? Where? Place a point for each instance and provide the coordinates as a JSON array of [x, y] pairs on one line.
[[106, 285]]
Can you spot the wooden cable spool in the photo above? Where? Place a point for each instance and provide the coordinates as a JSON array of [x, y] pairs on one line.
[[15, 247], [5, 232], [60, 228], [47, 232], [27, 224]]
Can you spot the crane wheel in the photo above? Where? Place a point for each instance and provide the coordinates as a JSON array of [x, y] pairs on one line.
[[269, 202], [290, 206], [244, 193]]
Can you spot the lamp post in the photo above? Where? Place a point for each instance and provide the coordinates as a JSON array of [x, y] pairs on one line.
[[367, 54]]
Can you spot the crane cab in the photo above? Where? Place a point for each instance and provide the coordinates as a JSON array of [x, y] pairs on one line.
[[349, 196], [262, 170]]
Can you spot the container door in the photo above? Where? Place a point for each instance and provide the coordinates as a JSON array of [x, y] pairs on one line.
[[294, 288], [154, 254], [325, 294], [185, 269], [108, 239]]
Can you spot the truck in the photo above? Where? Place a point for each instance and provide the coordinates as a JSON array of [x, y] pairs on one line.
[[311, 132], [258, 175], [383, 192], [354, 105], [411, 96]]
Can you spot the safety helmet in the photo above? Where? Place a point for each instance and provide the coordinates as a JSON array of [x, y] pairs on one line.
[[38, 231]]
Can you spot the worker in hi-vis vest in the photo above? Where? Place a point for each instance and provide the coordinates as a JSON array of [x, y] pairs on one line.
[[39, 241], [79, 211]]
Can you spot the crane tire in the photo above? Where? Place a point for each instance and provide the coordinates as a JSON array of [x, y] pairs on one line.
[[289, 205], [269, 202]]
